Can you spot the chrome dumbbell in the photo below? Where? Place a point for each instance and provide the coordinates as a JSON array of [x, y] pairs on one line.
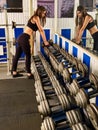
[[92, 111], [62, 120], [46, 107], [64, 102], [80, 126], [86, 83], [68, 75], [83, 97]]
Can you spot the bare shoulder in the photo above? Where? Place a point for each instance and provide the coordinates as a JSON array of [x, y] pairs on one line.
[[88, 17], [35, 18]]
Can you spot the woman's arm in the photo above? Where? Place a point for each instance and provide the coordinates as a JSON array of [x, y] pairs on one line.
[[40, 28], [77, 29], [86, 21]]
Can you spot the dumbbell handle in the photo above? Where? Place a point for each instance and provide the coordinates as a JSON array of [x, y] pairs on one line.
[[70, 65], [93, 94]]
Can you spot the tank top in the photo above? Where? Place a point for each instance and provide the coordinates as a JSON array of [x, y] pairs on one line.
[[33, 26], [90, 25]]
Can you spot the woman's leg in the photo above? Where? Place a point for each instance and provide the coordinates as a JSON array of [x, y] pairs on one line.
[[95, 37], [26, 49], [16, 57]]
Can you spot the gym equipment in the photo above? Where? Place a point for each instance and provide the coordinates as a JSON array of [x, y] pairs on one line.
[[83, 97], [80, 126], [61, 101], [13, 25], [86, 83], [62, 120], [68, 73], [92, 110]]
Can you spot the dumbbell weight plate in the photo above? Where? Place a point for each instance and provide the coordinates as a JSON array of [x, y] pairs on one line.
[[41, 96], [75, 62], [51, 123], [81, 98], [63, 52], [92, 111], [64, 100], [36, 76], [48, 124], [38, 85], [74, 116], [94, 79], [80, 126], [44, 108], [46, 51], [66, 75], [56, 46], [70, 58], [82, 69], [60, 67], [44, 125], [74, 87]]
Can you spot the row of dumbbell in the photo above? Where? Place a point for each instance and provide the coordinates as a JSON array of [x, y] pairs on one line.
[[90, 81], [49, 89], [83, 97], [66, 64], [45, 106], [70, 120]]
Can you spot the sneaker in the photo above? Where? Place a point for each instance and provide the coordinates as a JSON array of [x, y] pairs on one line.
[[30, 77], [17, 75]]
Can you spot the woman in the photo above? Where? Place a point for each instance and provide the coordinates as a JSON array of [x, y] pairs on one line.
[[36, 22], [85, 21]]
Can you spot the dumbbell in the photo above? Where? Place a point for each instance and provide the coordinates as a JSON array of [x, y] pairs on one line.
[[69, 57], [64, 63], [86, 83], [46, 107], [45, 93], [56, 46], [80, 126], [53, 61], [68, 76], [92, 110], [83, 97], [65, 102], [50, 42], [62, 120]]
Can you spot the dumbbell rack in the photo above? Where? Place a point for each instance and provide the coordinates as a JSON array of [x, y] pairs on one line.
[[53, 99], [82, 93], [64, 63]]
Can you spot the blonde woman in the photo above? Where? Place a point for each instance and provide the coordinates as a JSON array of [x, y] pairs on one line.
[[36, 22], [85, 21]]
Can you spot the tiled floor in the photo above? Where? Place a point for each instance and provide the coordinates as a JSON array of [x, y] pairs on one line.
[[6, 74]]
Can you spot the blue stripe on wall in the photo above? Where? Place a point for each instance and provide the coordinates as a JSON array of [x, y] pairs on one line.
[[2, 32], [47, 33], [84, 40], [55, 39], [66, 33], [86, 60], [67, 46], [3, 43], [75, 51], [60, 42]]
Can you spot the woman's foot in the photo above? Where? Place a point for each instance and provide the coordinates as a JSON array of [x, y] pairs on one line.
[[30, 76], [16, 74]]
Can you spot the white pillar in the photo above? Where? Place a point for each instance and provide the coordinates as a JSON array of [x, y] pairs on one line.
[[7, 41], [55, 15]]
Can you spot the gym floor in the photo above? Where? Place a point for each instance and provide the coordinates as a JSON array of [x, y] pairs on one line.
[[18, 106]]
